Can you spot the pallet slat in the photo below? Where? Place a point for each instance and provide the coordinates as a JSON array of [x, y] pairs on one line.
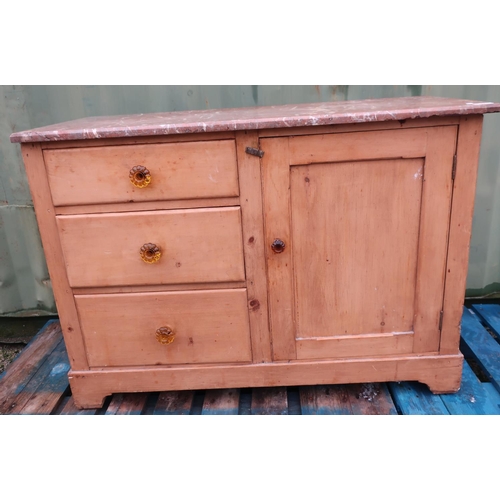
[[127, 404], [28, 362], [413, 398], [45, 387], [325, 400], [471, 399], [479, 344], [493, 394], [174, 403], [51, 390], [221, 402], [371, 399], [70, 409], [269, 401], [490, 314]]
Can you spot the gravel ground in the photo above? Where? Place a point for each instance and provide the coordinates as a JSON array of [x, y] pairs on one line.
[[7, 354], [15, 333]]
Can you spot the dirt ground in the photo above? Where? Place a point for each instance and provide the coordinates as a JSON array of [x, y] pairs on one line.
[[8, 352]]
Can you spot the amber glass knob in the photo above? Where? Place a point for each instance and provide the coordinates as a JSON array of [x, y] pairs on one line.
[[165, 335], [150, 253], [140, 176], [278, 246]]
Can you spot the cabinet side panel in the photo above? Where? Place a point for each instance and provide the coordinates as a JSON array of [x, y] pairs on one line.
[[253, 244], [44, 209], [464, 190]]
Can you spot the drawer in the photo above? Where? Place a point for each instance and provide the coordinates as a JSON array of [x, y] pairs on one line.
[[209, 326], [196, 246], [189, 170]]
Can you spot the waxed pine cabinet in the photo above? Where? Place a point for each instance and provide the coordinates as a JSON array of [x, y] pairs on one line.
[[288, 245]]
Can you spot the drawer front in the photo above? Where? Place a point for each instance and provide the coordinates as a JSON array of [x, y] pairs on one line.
[[209, 326], [190, 170], [196, 246]]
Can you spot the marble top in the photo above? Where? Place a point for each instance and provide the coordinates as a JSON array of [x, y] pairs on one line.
[[259, 117]]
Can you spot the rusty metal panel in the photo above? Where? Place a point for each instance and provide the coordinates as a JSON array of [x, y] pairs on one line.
[[24, 287]]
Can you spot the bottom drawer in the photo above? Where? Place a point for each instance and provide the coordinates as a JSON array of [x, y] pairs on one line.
[[209, 326]]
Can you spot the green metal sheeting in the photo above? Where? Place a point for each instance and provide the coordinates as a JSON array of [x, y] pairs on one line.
[[24, 283]]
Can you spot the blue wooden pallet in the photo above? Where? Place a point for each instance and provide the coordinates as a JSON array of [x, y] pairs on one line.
[[36, 383]]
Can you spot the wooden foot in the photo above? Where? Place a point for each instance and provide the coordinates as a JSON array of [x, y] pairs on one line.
[[86, 396], [445, 380]]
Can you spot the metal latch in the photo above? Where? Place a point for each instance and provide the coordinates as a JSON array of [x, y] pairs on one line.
[[254, 152]]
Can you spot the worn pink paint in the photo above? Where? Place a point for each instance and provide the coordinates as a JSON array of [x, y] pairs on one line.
[[260, 117]]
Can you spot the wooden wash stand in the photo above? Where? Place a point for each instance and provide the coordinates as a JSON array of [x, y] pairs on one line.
[[286, 245]]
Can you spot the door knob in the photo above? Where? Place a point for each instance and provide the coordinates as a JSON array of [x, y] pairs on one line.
[[278, 246]]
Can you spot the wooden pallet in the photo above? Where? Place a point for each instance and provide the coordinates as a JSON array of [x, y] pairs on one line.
[[36, 383]]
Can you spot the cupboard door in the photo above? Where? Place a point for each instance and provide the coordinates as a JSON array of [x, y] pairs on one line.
[[356, 239]]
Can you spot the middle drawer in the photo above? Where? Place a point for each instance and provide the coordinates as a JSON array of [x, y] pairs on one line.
[[195, 246]]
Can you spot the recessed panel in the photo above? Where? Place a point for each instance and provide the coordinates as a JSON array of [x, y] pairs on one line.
[[355, 229]]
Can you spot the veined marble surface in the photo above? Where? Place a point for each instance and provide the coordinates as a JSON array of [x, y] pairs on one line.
[[260, 117]]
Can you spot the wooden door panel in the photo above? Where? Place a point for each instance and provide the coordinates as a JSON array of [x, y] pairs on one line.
[[365, 218], [355, 233]]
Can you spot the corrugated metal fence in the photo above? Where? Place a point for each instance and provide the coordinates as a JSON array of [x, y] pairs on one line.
[[24, 282]]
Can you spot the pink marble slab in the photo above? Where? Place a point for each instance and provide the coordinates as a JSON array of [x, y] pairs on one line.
[[260, 117]]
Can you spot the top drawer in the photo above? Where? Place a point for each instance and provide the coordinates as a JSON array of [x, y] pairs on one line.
[[188, 170]]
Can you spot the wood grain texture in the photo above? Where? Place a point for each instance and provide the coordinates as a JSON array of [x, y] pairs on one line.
[[127, 404], [269, 401], [147, 205], [355, 346], [210, 326], [351, 399], [493, 394], [42, 201], [355, 230], [276, 195], [174, 403], [471, 399], [45, 389], [354, 146], [371, 399], [92, 143], [415, 399], [464, 190], [479, 344], [324, 400], [221, 402], [433, 237], [159, 288], [31, 358], [361, 127], [70, 409], [490, 313], [441, 373], [253, 245], [85, 176], [198, 246]]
